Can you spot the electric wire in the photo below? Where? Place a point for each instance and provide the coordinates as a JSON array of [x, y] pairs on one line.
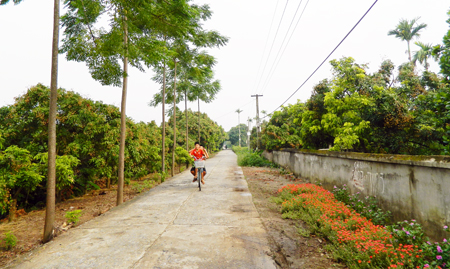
[[273, 42], [282, 43], [325, 59], [265, 46], [246, 104], [287, 44]]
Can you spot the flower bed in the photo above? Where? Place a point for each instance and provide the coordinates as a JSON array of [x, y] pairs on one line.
[[354, 239]]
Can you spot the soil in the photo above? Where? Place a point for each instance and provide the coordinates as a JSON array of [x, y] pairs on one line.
[[288, 247], [29, 227]]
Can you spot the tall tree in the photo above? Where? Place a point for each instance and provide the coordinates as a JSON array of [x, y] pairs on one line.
[[194, 66], [174, 117], [407, 30], [443, 53], [423, 54], [51, 177], [126, 41]]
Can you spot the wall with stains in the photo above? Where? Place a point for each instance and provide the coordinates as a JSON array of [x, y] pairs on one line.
[[411, 187]]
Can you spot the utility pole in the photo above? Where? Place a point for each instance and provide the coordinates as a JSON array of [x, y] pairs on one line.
[[248, 133], [257, 120], [239, 124]]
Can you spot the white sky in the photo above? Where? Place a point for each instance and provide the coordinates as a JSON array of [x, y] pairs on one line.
[[26, 33]]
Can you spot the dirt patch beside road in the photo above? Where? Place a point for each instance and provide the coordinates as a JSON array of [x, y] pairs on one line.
[[29, 228], [288, 247]]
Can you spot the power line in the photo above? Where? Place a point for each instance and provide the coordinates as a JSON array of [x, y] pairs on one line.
[[326, 57], [265, 46], [287, 44], [284, 39], [246, 104], [273, 42]]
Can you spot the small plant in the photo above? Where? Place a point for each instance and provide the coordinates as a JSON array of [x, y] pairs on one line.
[[406, 232], [10, 240], [303, 232], [140, 186], [249, 158], [162, 176], [437, 254], [137, 187], [367, 206], [74, 216]]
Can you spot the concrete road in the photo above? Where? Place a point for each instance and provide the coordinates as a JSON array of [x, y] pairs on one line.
[[172, 226]]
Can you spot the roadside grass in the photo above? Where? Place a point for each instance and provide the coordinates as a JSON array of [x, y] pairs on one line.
[[252, 159]]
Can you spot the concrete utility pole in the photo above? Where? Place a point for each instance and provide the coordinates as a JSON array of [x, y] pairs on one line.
[[248, 133], [239, 124], [257, 120]]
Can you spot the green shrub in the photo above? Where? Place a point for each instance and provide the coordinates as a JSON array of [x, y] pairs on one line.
[[140, 186], [74, 216], [249, 158], [10, 240]]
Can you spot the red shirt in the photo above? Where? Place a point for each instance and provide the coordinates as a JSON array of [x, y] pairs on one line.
[[198, 154]]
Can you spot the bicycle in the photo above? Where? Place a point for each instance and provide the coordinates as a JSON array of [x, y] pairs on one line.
[[199, 165]]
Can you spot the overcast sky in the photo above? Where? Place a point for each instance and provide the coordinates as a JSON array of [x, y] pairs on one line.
[[251, 25]]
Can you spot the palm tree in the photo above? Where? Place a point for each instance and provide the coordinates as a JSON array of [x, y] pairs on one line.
[[423, 54], [406, 30]]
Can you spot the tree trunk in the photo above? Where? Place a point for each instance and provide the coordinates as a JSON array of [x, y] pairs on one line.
[[51, 175], [409, 51], [12, 210], [174, 119], [187, 125], [123, 118], [199, 120], [163, 154]]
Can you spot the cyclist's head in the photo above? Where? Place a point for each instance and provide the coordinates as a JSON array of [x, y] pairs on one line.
[[197, 145]]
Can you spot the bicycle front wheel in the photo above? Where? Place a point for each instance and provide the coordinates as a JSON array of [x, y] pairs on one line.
[[199, 176]]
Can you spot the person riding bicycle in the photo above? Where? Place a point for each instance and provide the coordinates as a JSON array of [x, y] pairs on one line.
[[198, 154], [204, 150]]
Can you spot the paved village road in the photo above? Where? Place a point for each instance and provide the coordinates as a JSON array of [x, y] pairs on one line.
[[171, 226]]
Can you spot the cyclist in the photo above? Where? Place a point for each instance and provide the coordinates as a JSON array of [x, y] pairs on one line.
[[204, 150], [198, 154]]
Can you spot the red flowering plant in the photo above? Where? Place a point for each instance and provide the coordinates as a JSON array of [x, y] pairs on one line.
[[354, 239]]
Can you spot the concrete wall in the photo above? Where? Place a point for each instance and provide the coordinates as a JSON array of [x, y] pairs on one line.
[[411, 187]]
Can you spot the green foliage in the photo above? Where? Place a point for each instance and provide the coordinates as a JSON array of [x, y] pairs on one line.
[[406, 30], [362, 112], [19, 176], [10, 240], [303, 232], [88, 136], [407, 232], [233, 135], [65, 175], [282, 130], [74, 216], [212, 135], [249, 158], [443, 52], [437, 254], [144, 185]]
